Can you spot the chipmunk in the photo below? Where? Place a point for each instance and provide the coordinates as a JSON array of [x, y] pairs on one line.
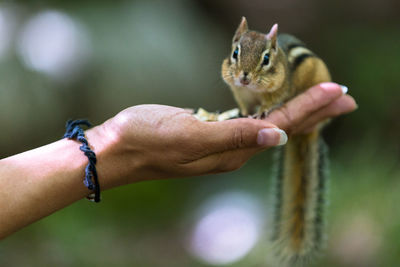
[[263, 72]]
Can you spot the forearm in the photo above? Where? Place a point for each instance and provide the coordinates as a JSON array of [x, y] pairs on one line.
[[41, 181]]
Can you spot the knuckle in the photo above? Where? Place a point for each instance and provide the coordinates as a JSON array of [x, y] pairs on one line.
[[284, 111], [238, 140], [310, 100]]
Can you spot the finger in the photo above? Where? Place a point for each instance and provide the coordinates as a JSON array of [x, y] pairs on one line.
[[291, 114], [240, 133], [229, 160], [342, 105]]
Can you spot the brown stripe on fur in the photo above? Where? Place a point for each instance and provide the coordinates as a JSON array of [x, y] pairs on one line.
[[299, 181]]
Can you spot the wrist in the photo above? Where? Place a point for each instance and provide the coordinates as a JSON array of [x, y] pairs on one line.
[[115, 166]]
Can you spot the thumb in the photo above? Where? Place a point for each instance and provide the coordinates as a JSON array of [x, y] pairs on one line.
[[242, 133]]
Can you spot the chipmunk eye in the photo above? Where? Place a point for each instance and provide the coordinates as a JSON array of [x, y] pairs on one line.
[[265, 60], [235, 53]]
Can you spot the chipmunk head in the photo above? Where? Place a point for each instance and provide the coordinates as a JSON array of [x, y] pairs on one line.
[[256, 62]]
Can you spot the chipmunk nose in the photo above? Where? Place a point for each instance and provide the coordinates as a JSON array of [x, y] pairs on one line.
[[244, 79]]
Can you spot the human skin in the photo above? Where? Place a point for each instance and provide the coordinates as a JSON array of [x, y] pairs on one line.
[[151, 142]]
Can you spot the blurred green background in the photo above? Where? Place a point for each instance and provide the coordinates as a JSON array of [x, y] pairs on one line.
[[91, 59]]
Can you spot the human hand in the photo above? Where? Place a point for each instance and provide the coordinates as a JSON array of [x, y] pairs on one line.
[[155, 142]]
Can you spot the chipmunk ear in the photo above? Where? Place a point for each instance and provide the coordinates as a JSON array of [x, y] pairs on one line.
[[240, 30], [272, 35]]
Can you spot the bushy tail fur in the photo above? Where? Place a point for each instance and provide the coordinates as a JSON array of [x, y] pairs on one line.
[[301, 180]]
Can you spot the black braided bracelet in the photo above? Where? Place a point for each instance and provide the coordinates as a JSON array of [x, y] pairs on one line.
[[74, 131]]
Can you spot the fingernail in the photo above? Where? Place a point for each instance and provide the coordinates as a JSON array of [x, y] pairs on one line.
[[344, 89], [271, 137], [329, 86]]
